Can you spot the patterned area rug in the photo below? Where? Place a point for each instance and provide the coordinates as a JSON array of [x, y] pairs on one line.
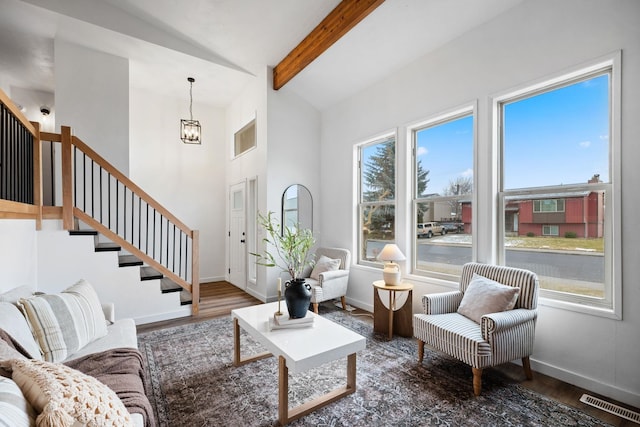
[[191, 381]]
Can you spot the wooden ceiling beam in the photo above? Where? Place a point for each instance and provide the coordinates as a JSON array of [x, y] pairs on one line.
[[336, 24]]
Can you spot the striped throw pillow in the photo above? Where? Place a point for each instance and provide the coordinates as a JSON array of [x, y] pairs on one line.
[[15, 410], [64, 323]]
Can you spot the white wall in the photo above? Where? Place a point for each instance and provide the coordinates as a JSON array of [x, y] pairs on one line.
[[92, 96], [64, 259], [294, 150], [18, 253], [186, 179], [251, 165], [527, 43], [287, 151]]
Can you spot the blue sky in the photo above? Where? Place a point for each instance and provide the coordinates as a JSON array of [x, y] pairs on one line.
[[559, 137], [446, 151]]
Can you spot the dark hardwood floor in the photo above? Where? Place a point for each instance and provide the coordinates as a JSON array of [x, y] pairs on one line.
[[219, 298]]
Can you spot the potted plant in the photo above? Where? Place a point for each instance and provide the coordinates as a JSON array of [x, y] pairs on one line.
[[292, 254]]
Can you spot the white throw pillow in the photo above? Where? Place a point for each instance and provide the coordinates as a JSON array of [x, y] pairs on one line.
[[14, 323], [484, 296], [324, 264], [62, 396], [66, 322], [15, 410], [15, 294]]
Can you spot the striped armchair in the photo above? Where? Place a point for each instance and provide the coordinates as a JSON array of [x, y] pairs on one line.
[[499, 338]]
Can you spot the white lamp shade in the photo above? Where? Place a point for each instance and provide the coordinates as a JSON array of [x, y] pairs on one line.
[[391, 273], [391, 252]]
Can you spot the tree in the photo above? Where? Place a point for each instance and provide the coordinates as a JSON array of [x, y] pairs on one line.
[[457, 187], [379, 173], [423, 180], [460, 185], [378, 176]]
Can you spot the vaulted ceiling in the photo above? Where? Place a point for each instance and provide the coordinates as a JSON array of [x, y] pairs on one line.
[[224, 43]]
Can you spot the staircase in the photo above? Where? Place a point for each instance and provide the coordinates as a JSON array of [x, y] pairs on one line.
[[126, 260], [119, 215]]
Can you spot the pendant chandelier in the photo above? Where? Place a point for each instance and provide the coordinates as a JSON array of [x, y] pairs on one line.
[[190, 129]]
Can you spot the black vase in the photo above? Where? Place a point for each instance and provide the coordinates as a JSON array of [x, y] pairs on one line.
[[297, 294]]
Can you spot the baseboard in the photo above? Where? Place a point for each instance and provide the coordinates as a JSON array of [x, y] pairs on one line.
[[360, 304], [212, 279], [256, 294], [182, 312], [591, 384]]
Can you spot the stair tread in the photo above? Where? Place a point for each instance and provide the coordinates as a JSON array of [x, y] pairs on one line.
[[83, 232], [167, 285], [128, 261], [150, 273], [185, 297], [107, 246]]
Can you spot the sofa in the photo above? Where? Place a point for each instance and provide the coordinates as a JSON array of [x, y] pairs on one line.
[[66, 361]]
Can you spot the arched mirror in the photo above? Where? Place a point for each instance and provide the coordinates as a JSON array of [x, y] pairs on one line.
[[297, 207]]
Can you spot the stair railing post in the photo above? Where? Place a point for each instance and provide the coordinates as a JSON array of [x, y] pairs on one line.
[[195, 273], [37, 174], [67, 179]]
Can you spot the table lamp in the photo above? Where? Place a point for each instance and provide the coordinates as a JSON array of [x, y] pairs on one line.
[[391, 272]]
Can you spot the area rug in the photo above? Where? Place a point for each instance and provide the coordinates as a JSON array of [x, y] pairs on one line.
[[191, 381]]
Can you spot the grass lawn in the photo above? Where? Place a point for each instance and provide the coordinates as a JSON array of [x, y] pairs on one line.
[[557, 243]]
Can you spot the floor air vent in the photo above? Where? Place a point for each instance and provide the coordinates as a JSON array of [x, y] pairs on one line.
[[610, 407]]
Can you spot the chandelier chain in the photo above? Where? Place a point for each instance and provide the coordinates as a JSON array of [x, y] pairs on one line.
[[191, 100]]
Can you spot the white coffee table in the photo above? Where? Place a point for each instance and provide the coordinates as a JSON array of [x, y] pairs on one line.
[[298, 350]]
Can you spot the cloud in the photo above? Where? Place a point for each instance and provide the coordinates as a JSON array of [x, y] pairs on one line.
[[467, 173], [585, 144], [604, 137], [422, 151]]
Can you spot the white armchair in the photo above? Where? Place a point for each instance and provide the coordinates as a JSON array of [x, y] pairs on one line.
[[328, 282], [482, 336]]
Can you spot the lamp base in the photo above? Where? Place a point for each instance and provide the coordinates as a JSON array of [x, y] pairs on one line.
[[391, 278]]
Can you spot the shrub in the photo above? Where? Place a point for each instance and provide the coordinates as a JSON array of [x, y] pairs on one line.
[[531, 234], [570, 235]]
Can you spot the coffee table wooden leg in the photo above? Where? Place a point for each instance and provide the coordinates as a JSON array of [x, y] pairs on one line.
[[283, 391], [285, 416], [237, 359]]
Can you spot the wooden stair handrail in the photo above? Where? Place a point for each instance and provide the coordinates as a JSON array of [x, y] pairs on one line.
[[4, 99], [96, 225], [129, 184]]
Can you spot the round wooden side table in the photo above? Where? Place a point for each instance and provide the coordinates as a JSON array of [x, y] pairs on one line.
[[393, 319]]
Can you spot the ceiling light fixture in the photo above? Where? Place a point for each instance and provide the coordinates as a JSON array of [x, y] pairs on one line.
[[190, 129], [45, 110]]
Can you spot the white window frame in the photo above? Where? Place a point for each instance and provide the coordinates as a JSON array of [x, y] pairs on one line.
[[611, 305], [468, 109], [358, 196], [550, 227], [546, 200]]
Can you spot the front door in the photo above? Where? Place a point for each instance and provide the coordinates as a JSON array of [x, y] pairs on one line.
[[237, 236]]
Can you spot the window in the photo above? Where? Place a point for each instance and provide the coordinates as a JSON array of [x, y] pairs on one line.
[[554, 205], [245, 139], [559, 212], [377, 196], [442, 195]]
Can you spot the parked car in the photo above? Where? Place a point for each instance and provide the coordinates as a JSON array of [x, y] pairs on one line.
[[453, 227], [428, 229]]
